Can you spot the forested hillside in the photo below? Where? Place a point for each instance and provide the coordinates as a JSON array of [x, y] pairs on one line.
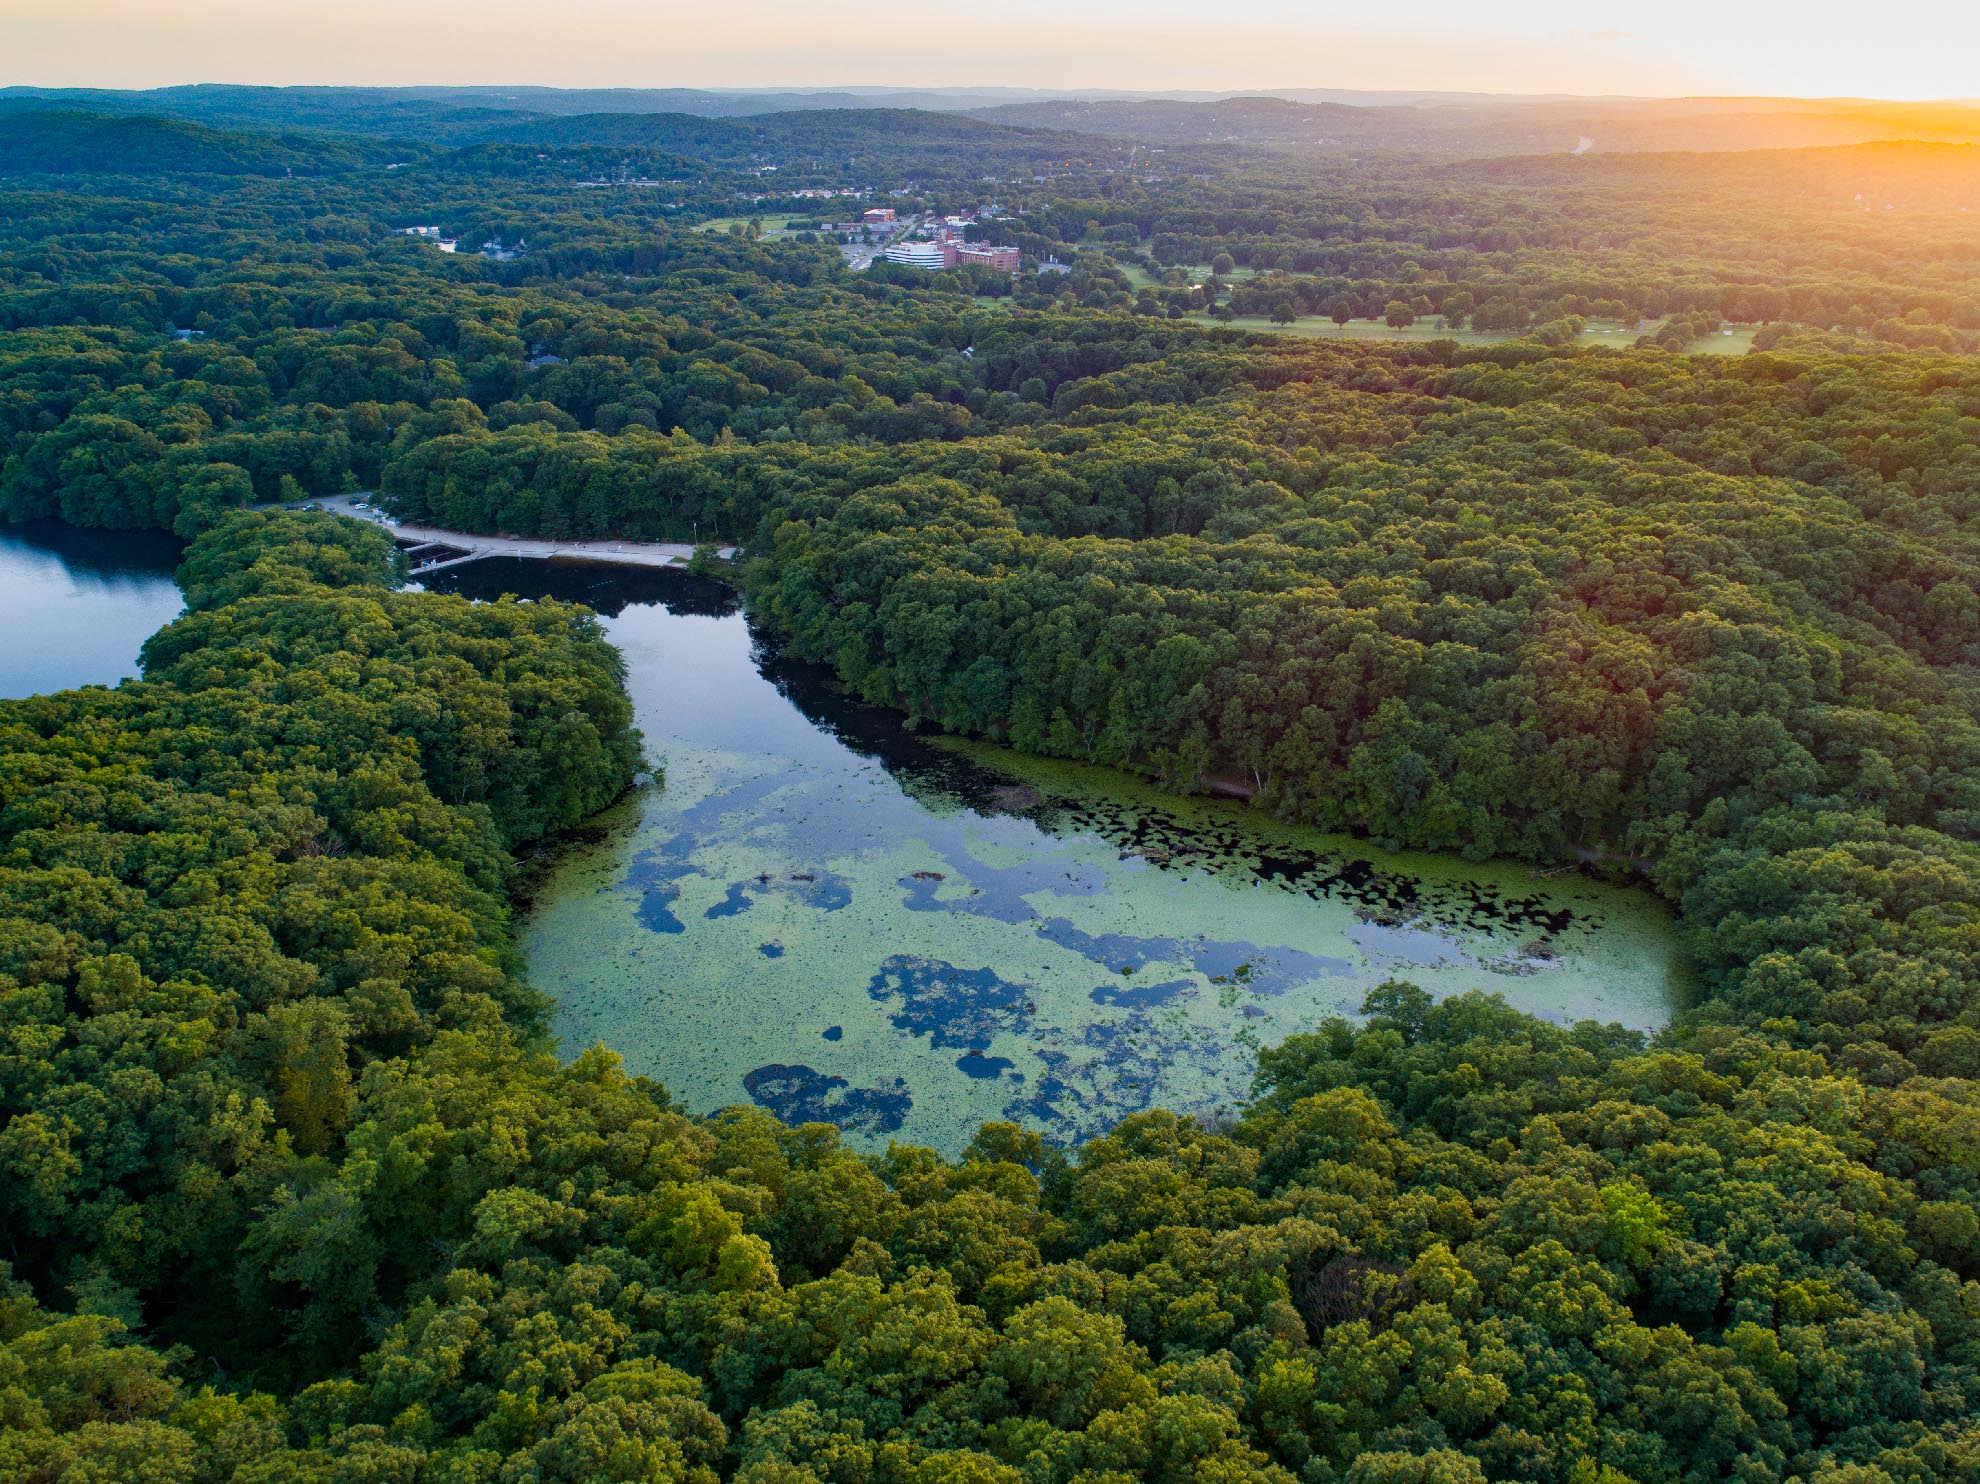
[[63, 143], [292, 1185], [857, 140]]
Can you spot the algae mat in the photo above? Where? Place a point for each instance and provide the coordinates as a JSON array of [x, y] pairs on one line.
[[822, 914]]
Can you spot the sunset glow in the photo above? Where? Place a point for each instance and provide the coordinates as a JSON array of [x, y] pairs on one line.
[[1909, 49]]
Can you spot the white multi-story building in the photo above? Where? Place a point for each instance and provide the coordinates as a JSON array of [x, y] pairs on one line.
[[921, 254]]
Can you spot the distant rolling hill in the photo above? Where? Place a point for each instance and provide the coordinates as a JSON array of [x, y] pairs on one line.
[[1493, 127], [37, 138], [448, 114], [852, 137], [57, 142], [1007, 129]]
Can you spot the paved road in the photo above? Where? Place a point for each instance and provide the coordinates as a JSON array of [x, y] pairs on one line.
[[863, 256], [621, 553]]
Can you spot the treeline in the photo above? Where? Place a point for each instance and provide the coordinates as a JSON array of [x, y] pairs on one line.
[[292, 1193]]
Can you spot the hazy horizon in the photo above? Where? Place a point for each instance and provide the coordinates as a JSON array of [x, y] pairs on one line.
[[1017, 92], [1916, 51]]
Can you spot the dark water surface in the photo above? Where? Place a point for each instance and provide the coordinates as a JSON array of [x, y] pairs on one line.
[[826, 914], [75, 605]]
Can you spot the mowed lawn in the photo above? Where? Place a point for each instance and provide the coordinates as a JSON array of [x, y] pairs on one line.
[[1141, 278], [773, 226]]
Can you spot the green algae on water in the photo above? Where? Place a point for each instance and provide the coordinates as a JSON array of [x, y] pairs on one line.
[[839, 921]]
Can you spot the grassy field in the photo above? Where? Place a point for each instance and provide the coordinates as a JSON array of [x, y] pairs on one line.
[[1738, 342], [1141, 278], [1725, 343], [1616, 337], [773, 226]]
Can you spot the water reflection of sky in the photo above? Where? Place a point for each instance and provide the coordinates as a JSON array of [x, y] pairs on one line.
[[826, 915], [76, 606]]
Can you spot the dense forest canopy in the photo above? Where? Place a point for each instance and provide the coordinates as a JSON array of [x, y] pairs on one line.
[[80, 143], [292, 1185]]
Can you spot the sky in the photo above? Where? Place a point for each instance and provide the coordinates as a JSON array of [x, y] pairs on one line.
[[1810, 48]]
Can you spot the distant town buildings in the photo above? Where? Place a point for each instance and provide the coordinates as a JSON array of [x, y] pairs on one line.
[[953, 254], [950, 249], [921, 255], [493, 248], [987, 255], [627, 182], [878, 216], [432, 235]]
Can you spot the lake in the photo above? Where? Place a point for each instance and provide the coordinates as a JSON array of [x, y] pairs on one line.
[[76, 605], [830, 916]]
